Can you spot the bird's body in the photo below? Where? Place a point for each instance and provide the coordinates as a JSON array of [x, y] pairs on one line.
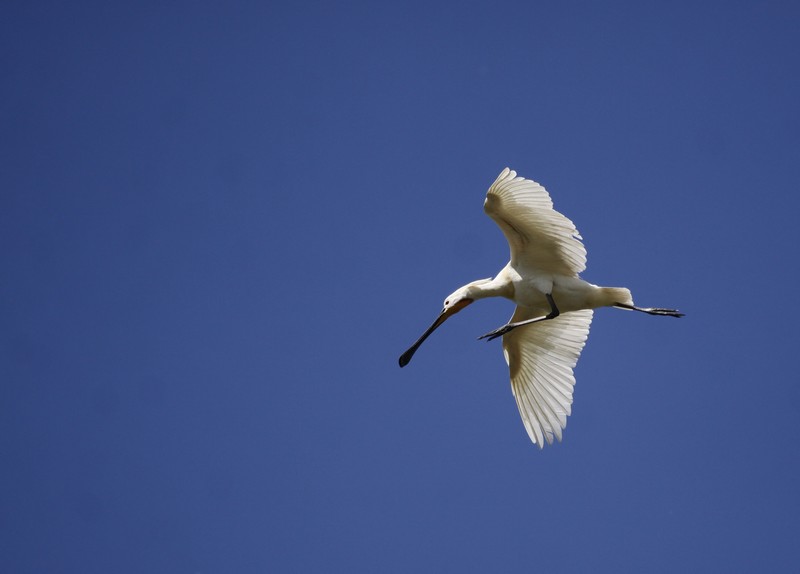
[[529, 287], [547, 332]]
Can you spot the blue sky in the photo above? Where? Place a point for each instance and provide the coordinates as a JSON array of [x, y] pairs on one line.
[[221, 224]]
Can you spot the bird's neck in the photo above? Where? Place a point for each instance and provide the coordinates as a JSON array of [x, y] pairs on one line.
[[491, 288]]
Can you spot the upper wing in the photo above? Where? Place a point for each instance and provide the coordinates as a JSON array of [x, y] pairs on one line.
[[539, 236], [541, 357]]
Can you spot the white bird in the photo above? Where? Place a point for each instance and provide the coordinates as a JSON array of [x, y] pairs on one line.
[[545, 336]]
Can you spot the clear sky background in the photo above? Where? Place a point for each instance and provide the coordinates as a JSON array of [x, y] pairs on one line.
[[222, 222]]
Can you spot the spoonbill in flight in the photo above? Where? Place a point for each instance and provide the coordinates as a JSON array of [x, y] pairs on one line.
[[545, 336]]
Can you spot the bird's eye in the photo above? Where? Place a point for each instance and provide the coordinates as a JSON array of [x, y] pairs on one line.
[[447, 302]]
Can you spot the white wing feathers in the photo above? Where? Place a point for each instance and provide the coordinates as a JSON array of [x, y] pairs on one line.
[[541, 358], [539, 237]]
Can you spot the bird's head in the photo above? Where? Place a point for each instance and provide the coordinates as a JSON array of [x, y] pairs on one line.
[[456, 301], [461, 297]]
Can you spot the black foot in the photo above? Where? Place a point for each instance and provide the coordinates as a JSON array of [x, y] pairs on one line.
[[666, 312], [651, 310], [492, 335]]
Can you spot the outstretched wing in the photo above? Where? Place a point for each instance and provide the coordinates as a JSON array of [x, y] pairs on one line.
[[541, 357], [538, 235]]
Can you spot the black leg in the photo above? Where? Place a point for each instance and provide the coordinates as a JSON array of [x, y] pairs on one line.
[[650, 310], [554, 312]]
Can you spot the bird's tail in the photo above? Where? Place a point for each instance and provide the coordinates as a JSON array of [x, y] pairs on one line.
[[613, 295]]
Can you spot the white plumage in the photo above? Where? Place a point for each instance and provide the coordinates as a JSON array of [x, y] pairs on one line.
[[548, 330], [538, 235], [541, 359]]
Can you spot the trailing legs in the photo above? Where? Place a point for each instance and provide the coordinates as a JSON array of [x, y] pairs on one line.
[[650, 310]]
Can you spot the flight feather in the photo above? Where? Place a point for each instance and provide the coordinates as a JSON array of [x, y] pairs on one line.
[[540, 237]]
